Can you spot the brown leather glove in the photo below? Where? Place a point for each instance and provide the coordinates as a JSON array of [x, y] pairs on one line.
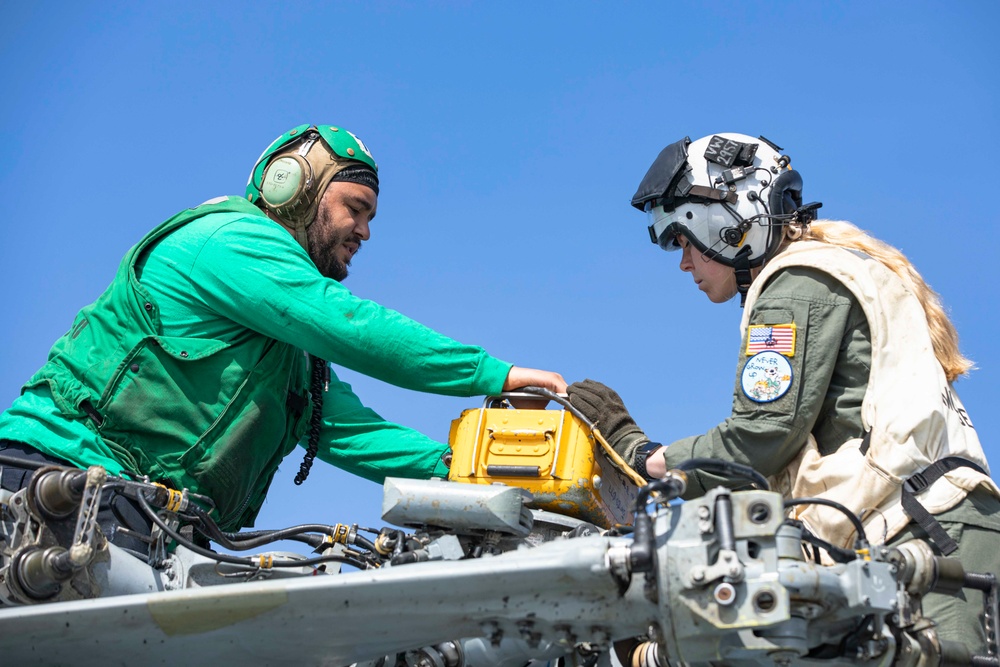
[[604, 407]]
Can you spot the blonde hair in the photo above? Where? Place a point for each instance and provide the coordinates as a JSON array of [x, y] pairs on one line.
[[944, 336]]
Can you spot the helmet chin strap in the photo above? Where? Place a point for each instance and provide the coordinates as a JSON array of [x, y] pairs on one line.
[[741, 266], [301, 233]]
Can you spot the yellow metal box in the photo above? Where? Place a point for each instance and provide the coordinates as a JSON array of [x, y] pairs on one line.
[[550, 453]]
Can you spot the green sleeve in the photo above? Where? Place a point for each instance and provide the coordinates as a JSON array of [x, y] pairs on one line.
[[253, 272], [767, 436], [358, 440]]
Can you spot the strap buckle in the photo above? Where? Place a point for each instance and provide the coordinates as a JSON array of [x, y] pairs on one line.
[[916, 483]]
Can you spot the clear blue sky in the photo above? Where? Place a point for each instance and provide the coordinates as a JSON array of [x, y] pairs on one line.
[[510, 138]]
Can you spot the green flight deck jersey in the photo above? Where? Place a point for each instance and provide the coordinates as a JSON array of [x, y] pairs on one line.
[[191, 368]]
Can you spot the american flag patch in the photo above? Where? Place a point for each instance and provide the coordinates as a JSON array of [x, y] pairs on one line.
[[774, 337]]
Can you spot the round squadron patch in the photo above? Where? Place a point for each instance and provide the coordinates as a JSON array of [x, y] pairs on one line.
[[766, 377]]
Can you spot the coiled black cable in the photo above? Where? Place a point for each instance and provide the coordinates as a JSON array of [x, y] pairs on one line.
[[319, 371]]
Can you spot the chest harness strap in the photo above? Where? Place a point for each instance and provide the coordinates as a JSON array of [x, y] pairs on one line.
[[917, 483]]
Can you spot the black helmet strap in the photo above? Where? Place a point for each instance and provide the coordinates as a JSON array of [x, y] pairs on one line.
[[741, 266]]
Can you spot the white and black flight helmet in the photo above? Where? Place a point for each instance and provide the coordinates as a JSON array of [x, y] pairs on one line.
[[729, 195]]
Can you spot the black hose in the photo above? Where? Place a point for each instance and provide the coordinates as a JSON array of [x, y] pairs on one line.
[[298, 533], [642, 555], [855, 521], [980, 582], [727, 468], [24, 463], [837, 554], [248, 562]]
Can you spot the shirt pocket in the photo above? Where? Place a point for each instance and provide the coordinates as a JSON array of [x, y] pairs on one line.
[[164, 393]]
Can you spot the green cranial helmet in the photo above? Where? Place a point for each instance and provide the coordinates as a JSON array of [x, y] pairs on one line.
[[291, 175]]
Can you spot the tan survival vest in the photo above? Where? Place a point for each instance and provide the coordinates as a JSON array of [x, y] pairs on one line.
[[911, 413]]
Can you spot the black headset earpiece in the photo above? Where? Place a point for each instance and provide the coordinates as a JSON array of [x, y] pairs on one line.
[[786, 193], [732, 236]]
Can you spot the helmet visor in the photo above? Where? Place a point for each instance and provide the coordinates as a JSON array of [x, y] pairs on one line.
[[666, 226], [663, 229]]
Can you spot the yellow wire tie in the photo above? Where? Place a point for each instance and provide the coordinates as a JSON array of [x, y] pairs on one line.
[[266, 561], [174, 500]]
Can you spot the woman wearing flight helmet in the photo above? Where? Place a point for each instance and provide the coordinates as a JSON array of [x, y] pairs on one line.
[[844, 384]]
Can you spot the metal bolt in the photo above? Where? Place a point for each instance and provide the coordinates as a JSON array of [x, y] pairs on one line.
[[704, 512], [759, 513], [765, 601], [724, 594], [697, 574]]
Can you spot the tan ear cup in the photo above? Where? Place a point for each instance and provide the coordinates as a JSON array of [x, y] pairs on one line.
[[284, 182]]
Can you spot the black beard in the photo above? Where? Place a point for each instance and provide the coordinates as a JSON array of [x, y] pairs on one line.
[[327, 262], [323, 253]]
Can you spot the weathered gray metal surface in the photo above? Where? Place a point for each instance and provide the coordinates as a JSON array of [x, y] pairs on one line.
[[336, 620]]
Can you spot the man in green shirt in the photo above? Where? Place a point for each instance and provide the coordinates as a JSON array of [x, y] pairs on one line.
[[205, 362]]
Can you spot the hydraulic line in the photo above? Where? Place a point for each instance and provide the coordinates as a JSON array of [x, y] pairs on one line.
[[730, 468], [252, 540], [248, 562], [861, 541]]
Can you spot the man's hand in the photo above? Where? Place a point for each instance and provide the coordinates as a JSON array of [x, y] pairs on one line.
[[604, 407], [532, 377]]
